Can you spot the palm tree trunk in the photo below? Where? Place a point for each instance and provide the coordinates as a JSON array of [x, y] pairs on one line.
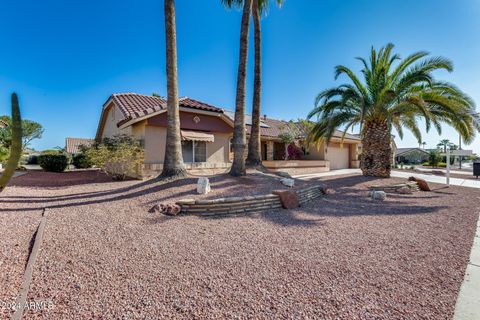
[[254, 144], [239, 135], [173, 165], [376, 158]]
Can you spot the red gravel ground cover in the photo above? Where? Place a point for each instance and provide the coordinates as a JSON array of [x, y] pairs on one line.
[[339, 257], [16, 230]]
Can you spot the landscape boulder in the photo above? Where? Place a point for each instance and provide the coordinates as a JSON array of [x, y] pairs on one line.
[[288, 198], [422, 184], [327, 191], [404, 190], [203, 185], [284, 174], [378, 195], [169, 209], [288, 182]]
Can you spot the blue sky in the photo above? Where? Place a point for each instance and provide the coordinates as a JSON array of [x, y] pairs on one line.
[[64, 58]]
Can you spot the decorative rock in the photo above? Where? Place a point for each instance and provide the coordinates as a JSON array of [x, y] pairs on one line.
[[288, 182], [327, 191], [203, 185], [288, 198], [422, 184], [169, 209], [284, 174], [404, 190], [378, 195]]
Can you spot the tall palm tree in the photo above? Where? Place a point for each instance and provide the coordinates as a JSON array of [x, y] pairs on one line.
[[254, 157], [444, 144], [395, 93], [173, 165], [239, 134]]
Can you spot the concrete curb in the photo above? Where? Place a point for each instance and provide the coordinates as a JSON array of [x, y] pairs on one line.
[[468, 301], [27, 277]]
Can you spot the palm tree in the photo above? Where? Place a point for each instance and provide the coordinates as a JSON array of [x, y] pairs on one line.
[[173, 165], [395, 93], [424, 144], [239, 135], [444, 144], [254, 157]]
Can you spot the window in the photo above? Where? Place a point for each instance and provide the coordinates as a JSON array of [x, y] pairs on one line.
[[194, 151]]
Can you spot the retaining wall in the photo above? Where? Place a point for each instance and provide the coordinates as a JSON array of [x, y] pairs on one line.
[[244, 204]]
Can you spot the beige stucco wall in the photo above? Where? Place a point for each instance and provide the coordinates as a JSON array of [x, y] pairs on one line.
[[110, 128], [315, 152], [218, 150], [155, 140]]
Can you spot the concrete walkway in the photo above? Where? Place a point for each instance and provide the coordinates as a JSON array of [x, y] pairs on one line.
[[397, 174], [468, 301], [438, 179], [466, 173]]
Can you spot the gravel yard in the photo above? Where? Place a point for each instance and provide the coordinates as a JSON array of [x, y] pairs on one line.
[[339, 257]]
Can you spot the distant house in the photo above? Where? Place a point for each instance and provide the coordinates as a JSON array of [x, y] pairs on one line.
[[72, 145], [206, 133], [411, 155]]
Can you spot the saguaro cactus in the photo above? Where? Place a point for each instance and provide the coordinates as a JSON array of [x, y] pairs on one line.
[[16, 147]]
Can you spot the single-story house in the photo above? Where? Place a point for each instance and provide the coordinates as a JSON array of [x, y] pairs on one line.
[[411, 155], [72, 145], [207, 132]]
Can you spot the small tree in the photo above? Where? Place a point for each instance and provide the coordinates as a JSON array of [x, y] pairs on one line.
[[31, 130], [434, 158]]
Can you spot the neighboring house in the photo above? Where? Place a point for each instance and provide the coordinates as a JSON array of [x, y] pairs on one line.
[[411, 155], [206, 134], [72, 145]]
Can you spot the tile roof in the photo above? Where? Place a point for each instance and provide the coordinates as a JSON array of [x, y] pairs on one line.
[[72, 145], [272, 128], [401, 151], [134, 105]]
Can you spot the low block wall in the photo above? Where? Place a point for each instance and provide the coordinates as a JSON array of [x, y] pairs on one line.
[[244, 204], [281, 164]]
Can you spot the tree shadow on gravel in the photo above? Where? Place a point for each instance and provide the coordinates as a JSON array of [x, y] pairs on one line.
[[351, 199], [227, 185]]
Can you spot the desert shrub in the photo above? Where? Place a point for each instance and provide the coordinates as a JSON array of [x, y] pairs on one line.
[[4, 154], [434, 158], [53, 162], [81, 161], [118, 157], [51, 151], [32, 159]]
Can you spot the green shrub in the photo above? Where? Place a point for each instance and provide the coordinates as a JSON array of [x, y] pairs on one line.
[[426, 164], [434, 158], [81, 161], [53, 162], [32, 159], [4, 154], [118, 157], [442, 165]]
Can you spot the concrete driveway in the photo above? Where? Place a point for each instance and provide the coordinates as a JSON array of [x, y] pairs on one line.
[[397, 174]]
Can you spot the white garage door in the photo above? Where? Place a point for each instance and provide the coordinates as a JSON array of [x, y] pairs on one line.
[[338, 157]]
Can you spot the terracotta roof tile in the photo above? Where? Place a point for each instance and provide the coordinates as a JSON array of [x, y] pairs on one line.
[[134, 106], [72, 145]]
